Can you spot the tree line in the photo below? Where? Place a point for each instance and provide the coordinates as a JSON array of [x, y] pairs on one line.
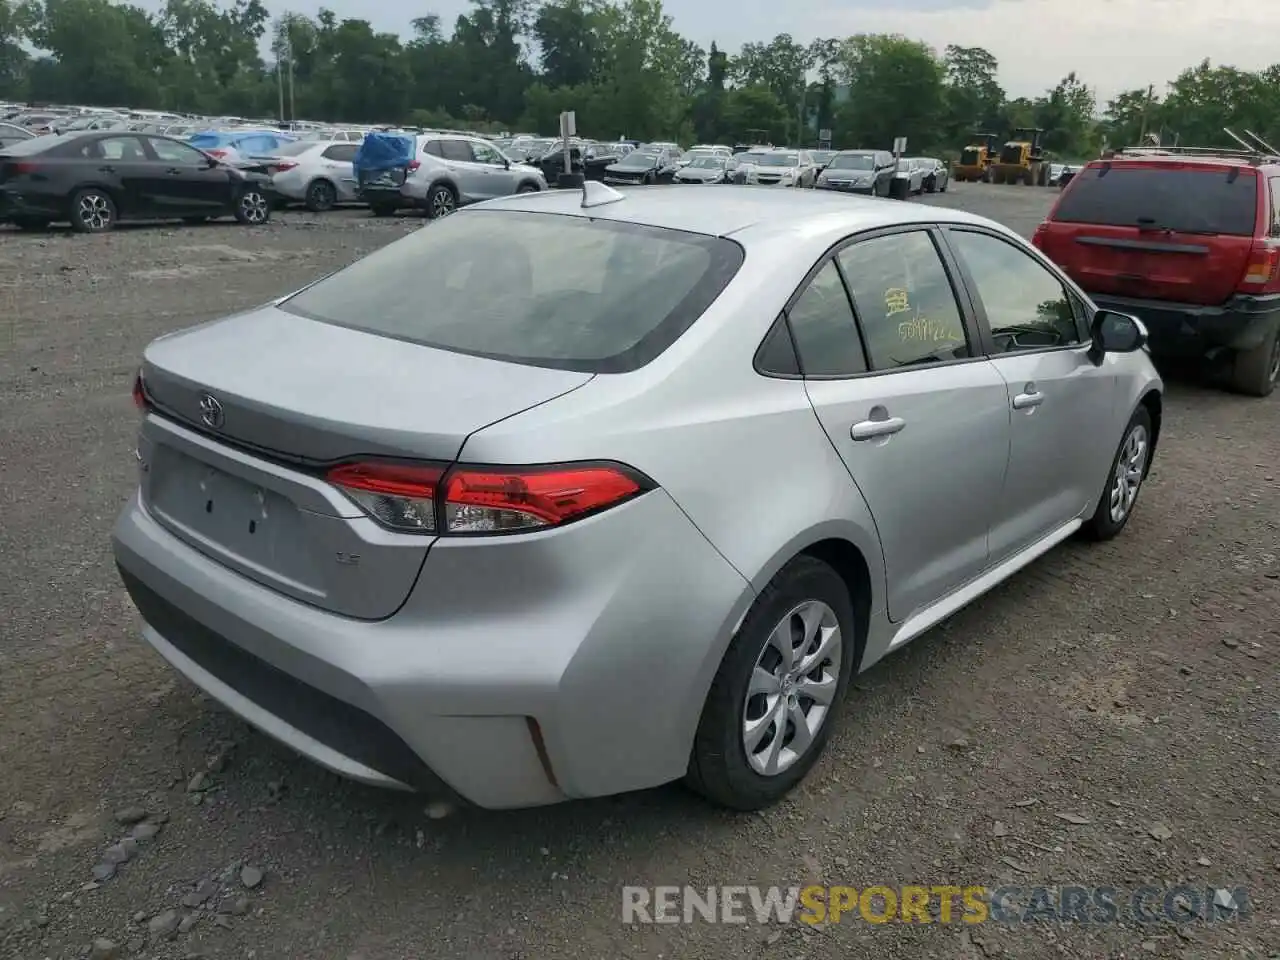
[[620, 64]]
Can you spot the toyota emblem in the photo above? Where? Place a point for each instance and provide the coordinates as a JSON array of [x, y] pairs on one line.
[[211, 412]]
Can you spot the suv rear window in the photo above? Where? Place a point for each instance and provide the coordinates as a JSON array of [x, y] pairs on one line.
[[1182, 199], [548, 290]]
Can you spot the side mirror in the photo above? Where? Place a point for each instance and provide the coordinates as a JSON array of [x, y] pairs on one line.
[[1115, 332]]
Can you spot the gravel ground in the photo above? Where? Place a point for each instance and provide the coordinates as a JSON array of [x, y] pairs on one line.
[[1108, 717]]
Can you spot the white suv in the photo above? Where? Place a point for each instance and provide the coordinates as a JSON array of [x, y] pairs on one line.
[[454, 170]]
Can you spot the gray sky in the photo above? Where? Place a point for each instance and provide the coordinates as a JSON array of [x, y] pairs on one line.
[[1113, 45]]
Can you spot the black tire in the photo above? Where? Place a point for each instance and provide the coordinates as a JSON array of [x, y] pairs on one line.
[[31, 223], [253, 207], [1255, 372], [718, 766], [321, 196], [528, 187], [1102, 525], [943, 188], [92, 211], [383, 209], [441, 201], [929, 186]]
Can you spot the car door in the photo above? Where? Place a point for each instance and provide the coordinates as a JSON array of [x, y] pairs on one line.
[[183, 184], [501, 180], [918, 415], [337, 160], [122, 164], [471, 176], [1035, 329]]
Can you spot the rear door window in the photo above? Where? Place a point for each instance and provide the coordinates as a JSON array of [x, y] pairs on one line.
[[567, 292], [458, 150], [342, 152], [1184, 199]]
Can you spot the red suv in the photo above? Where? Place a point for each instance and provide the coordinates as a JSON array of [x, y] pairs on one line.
[[1189, 242]]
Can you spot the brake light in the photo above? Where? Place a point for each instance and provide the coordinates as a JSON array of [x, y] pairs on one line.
[[140, 393], [284, 165], [1037, 238], [428, 498], [413, 165], [23, 166], [1262, 273], [217, 154]]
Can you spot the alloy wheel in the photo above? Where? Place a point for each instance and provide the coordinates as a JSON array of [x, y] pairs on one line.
[[1274, 373], [1131, 466], [94, 211], [254, 207], [792, 688], [442, 203]]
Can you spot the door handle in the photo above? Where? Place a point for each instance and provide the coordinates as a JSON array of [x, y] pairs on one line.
[[175, 171], [1025, 401], [872, 429], [107, 169]]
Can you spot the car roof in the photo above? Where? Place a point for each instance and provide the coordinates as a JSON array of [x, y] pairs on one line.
[[746, 213], [1205, 158]]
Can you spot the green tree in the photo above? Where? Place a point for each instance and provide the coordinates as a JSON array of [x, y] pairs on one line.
[[895, 90], [972, 96]]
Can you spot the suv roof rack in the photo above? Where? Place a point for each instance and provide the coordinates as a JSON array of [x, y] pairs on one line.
[[1255, 150]]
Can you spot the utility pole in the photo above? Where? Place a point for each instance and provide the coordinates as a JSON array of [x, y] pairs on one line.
[[280, 76], [293, 113], [1146, 107]]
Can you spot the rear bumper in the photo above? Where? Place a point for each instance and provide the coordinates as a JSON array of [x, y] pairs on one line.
[[13, 204], [1182, 330], [571, 663]]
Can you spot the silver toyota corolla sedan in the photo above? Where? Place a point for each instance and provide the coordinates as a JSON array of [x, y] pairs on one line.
[[577, 493]]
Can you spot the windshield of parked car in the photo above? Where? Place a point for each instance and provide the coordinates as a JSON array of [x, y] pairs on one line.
[[778, 160], [852, 161], [707, 163], [1183, 199], [568, 292], [639, 160]]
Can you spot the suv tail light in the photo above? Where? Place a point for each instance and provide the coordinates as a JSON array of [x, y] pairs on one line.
[[1037, 238], [413, 165], [429, 498], [1262, 274], [140, 393]]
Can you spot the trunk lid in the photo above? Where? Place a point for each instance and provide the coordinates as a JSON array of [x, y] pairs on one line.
[[241, 478], [1156, 230]]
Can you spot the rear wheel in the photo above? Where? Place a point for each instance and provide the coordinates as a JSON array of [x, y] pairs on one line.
[[779, 688], [92, 211], [1128, 471], [1255, 372], [252, 207], [527, 188], [321, 196], [441, 201]]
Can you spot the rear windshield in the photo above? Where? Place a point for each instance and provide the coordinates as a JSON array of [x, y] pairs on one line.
[[1182, 199], [39, 144], [542, 289]]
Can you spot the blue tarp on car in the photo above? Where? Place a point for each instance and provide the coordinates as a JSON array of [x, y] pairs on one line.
[[380, 152]]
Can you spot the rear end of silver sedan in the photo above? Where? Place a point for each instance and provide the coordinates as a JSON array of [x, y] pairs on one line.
[[318, 542]]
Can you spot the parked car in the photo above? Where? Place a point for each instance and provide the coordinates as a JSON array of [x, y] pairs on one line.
[[707, 169], [647, 164], [11, 133], [821, 158], [93, 180], [518, 571], [1068, 173], [233, 146], [440, 172], [315, 173], [908, 178], [859, 171], [1189, 242], [744, 162], [782, 168], [937, 175], [591, 160]]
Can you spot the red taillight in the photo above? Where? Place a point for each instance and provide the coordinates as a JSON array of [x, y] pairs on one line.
[[283, 165], [402, 496], [427, 498], [217, 154], [413, 165], [140, 393], [1262, 273], [1037, 238], [23, 166]]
